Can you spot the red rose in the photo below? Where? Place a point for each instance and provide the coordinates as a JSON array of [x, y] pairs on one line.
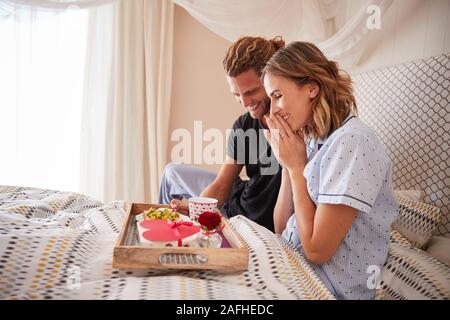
[[209, 220]]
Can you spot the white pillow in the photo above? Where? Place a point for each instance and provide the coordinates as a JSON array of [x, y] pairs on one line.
[[416, 221], [410, 273]]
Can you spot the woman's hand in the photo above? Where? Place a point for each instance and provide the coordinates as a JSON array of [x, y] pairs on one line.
[[288, 146]]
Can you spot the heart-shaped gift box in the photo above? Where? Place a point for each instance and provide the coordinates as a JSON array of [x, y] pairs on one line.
[[166, 231]]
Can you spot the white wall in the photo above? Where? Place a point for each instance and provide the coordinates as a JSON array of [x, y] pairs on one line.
[[200, 90], [411, 29]]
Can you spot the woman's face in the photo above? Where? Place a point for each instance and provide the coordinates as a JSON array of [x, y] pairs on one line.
[[291, 101]]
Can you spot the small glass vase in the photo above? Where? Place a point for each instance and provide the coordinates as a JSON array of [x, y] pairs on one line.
[[208, 239]]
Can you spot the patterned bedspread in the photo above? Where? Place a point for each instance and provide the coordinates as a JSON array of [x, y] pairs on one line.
[[58, 245]]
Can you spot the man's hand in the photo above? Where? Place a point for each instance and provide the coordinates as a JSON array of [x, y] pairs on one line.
[[181, 206]]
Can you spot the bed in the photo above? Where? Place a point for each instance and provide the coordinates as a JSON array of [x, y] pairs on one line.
[[58, 245]]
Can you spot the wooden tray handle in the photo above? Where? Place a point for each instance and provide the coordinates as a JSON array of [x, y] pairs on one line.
[[169, 259]]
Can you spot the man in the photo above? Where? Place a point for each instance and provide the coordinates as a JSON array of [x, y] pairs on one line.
[[254, 198]]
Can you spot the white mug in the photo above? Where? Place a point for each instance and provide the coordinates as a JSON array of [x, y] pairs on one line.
[[198, 205]]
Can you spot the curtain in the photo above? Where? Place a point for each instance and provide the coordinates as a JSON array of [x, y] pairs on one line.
[[335, 26], [126, 106], [234, 18], [41, 89], [126, 94], [15, 7]]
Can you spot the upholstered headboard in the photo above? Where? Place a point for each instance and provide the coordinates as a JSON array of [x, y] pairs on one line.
[[408, 105]]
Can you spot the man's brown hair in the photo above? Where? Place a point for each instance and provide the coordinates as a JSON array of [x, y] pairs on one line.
[[250, 53]]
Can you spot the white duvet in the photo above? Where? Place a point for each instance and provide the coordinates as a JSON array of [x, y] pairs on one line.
[[58, 245]]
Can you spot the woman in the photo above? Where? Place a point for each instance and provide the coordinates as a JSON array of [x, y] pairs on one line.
[[336, 202]]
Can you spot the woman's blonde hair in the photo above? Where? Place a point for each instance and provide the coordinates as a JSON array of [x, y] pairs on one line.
[[250, 53], [303, 62]]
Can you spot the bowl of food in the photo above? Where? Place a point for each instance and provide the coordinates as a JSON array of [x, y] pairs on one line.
[[161, 214]]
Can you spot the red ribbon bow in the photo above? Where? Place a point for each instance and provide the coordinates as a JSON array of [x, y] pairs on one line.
[[175, 224]]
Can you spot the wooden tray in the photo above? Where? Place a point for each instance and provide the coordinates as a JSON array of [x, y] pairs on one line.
[[129, 254]]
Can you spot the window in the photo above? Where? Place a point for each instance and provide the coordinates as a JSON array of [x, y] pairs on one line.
[[41, 85]]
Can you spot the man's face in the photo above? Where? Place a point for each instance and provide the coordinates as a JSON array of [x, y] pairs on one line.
[[248, 90]]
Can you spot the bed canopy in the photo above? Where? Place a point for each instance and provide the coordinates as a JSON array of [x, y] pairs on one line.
[[339, 27]]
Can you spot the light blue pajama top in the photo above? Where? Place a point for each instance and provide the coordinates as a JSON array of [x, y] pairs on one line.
[[351, 167]]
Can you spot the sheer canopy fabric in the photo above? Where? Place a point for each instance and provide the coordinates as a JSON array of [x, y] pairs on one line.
[[335, 26], [340, 30], [22, 10], [51, 5], [234, 18]]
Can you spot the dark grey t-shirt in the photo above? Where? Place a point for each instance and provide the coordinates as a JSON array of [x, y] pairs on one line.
[[256, 197]]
